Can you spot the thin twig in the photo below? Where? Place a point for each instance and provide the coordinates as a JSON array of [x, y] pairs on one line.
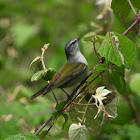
[[132, 7], [91, 88], [94, 41], [46, 132], [132, 25], [44, 124], [82, 104], [54, 97]]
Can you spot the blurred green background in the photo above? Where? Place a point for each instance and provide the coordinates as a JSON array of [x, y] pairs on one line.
[[25, 26]]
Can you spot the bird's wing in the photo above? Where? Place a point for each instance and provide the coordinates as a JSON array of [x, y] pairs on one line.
[[69, 71]]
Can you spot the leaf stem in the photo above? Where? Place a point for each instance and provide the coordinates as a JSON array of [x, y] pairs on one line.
[[42, 59]]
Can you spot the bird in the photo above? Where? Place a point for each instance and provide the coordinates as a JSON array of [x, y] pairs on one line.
[[73, 72]]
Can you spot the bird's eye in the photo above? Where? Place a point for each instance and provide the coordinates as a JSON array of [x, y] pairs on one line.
[[73, 42]]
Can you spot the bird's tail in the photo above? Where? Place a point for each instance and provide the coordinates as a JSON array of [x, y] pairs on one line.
[[42, 91]]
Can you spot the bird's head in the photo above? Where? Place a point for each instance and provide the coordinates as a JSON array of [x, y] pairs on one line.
[[72, 47]]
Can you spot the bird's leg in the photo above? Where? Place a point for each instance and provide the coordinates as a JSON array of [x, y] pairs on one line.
[[65, 92], [54, 97]]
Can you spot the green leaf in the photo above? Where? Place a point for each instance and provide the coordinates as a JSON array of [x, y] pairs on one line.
[[55, 116], [118, 49], [135, 84], [136, 3], [37, 75], [49, 74], [90, 37], [99, 68], [138, 40], [78, 132], [117, 77], [109, 49], [66, 120], [121, 8], [60, 106], [27, 136], [128, 49], [14, 137], [37, 59]]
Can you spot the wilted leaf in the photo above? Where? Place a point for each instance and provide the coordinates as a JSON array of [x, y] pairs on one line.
[[111, 107], [78, 132]]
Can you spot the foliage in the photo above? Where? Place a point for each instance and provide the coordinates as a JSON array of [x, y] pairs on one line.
[[110, 94]]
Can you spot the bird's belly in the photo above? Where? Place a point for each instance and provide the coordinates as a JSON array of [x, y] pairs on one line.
[[75, 80]]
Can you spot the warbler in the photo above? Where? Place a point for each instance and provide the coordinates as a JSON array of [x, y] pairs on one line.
[[73, 72]]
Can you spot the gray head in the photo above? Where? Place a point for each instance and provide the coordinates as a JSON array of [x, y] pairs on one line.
[[72, 47]]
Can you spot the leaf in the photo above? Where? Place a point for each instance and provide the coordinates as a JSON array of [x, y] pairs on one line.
[[99, 68], [121, 8], [66, 120], [60, 106], [27, 136], [37, 75], [136, 3], [14, 137], [118, 49], [78, 132], [55, 116], [90, 37], [135, 84], [35, 60], [111, 107], [138, 40], [49, 74], [128, 48], [117, 77], [109, 50]]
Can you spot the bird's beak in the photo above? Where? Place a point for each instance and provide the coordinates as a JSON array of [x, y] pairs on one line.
[[80, 37]]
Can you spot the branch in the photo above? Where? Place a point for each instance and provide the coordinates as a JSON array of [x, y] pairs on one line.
[[42, 126], [134, 23], [132, 7]]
